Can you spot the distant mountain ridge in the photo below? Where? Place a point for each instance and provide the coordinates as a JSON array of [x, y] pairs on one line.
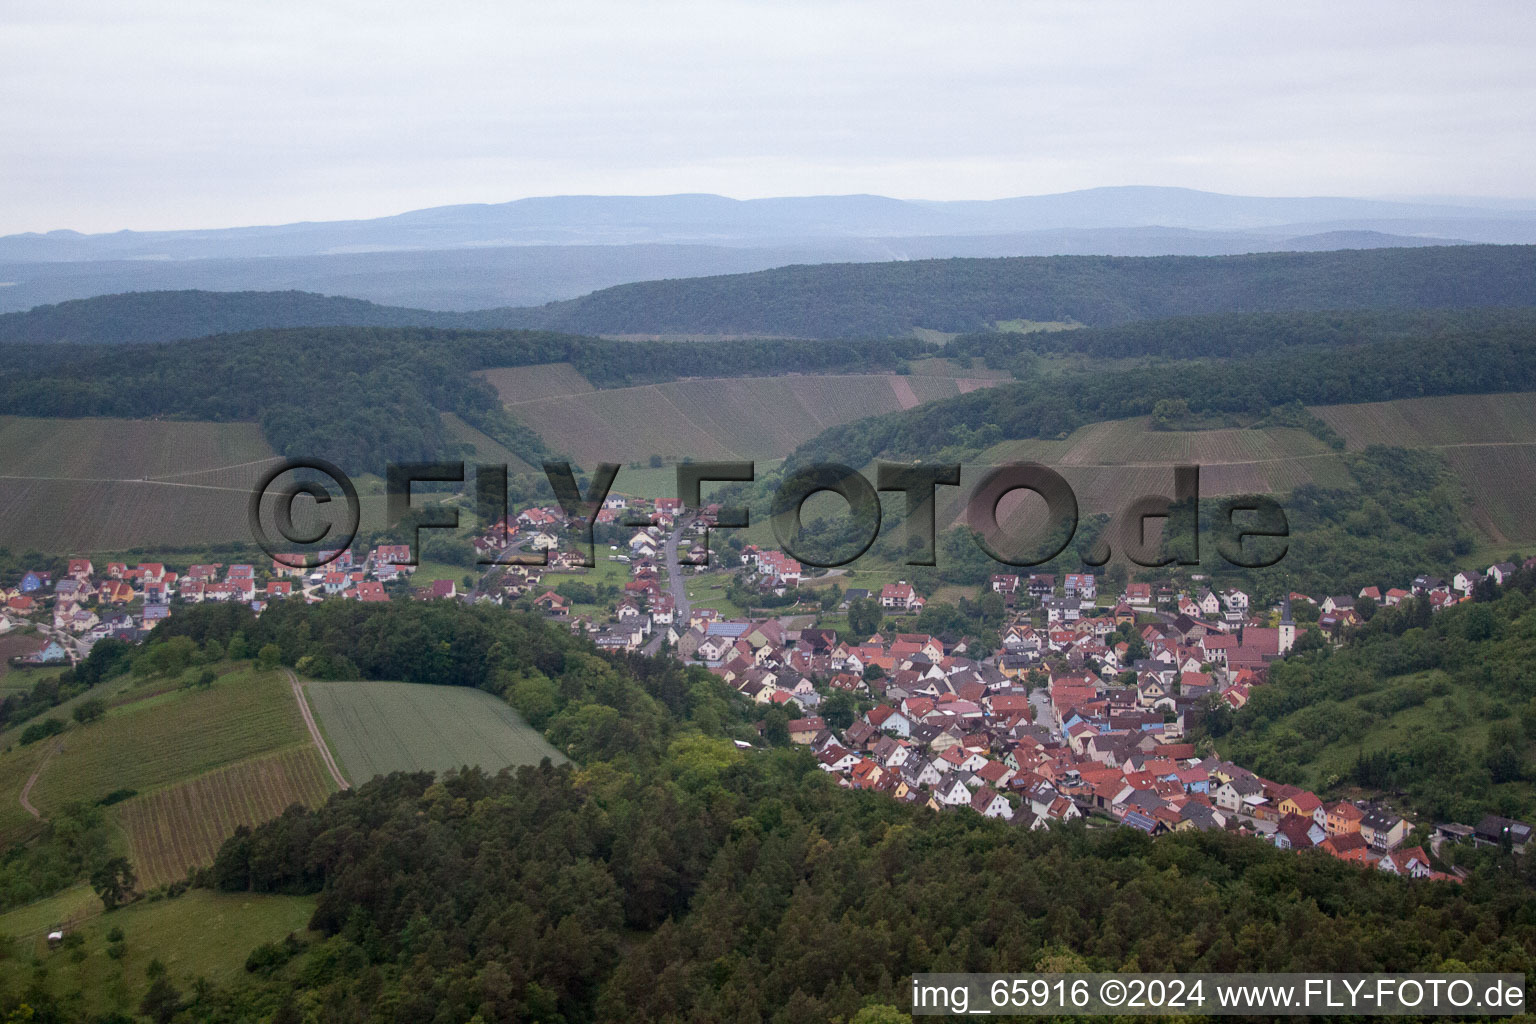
[[852, 300], [717, 220], [532, 251]]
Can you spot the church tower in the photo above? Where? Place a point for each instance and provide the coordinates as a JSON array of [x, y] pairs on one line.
[[1287, 626]]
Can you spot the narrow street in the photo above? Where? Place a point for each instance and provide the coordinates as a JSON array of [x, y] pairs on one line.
[[681, 610]]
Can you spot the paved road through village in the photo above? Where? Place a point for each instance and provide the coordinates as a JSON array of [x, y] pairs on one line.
[[681, 610]]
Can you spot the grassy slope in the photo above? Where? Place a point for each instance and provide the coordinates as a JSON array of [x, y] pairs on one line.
[[375, 728], [486, 449], [199, 934]]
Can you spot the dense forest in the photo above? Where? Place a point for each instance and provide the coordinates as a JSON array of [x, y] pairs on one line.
[[670, 875], [1234, 335], [363, 397], [852, 300], [136, 317], [1438, 708]]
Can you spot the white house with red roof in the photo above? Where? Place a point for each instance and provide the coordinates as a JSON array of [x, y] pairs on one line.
[[900, 597]]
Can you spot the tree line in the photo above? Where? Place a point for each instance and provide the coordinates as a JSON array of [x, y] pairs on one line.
[[364, 397], [853, 300], [1233, 335]]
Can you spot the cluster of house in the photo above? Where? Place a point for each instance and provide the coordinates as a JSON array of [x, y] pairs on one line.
[[122, 601], [949, 731], [1192, 647], [644, 607], [126, 601], [1106, 734]]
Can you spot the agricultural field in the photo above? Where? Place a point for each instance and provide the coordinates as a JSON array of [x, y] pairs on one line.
[[1488, 440], [1435, 422], [1124, 442], [113, 515], [1110, 463], [528, 383], [104, 485], [71, 516], [199, 934], [124, 449], [16, 767], [171, 737], [939, 367], [722, 418], [111, 484], [181, 826], [375, 728], [1502, 481]]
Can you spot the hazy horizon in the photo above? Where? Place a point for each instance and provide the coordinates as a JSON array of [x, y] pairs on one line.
[[1493, 203], [154, 117]]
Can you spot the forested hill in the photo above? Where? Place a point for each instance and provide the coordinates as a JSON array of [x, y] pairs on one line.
[[366, 396], [170, 316], [888, 299], [1236, 335], [849, 300]]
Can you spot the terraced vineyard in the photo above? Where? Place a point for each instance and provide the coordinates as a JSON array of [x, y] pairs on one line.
[[183, 825], [1502, 482], [71, 516], [124, 449], [1432, 422], [110, 484], [1110, 463], [171, 738], [376, 728], [528, 383], [1489, 440], [720, 418]]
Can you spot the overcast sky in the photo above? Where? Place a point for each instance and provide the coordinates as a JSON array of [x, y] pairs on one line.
[[150, 114]]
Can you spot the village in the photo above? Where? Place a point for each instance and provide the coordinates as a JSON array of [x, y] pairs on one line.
[[1082, 712]]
